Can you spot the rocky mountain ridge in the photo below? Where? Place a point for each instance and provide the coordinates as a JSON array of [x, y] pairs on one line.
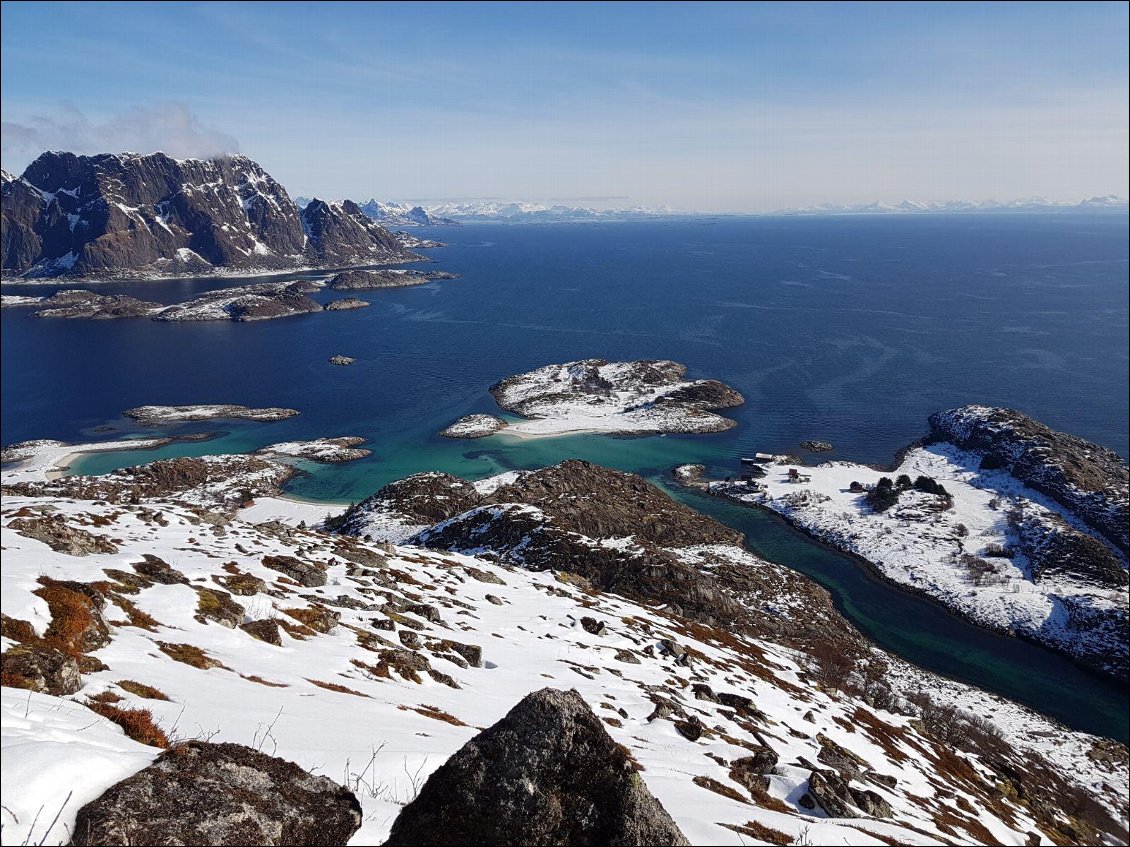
[[131, 214]]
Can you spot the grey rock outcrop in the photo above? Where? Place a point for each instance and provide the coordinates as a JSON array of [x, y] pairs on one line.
[[220, 794], [547, 773], [39, 667]]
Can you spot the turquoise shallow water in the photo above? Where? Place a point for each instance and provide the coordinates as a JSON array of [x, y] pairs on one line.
[[851, 330]]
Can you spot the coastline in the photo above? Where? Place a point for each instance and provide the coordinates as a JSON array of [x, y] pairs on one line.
[[873, 570]]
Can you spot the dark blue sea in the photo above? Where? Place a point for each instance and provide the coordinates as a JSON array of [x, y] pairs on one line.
[[847, 329]]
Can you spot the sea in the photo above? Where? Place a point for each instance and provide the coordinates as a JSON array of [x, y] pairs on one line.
[[848, 329]]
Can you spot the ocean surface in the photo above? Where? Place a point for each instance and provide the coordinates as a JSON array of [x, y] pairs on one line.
[[848, 329]]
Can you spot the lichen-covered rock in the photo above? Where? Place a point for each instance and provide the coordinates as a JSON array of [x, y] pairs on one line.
[[38, 667], [547, 773], [218, 606], [220, 794], [54, 531], [304, 573], [752, 771], [159, 570], [265, 630]]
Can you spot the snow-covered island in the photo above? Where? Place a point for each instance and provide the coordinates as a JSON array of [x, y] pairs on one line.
[[958, 525], [361, 280], [329, 450], [158, 632], [204, 412], [474, 426], [645, 397]]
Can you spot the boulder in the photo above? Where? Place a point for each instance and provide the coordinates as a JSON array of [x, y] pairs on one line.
[[304, 573], [265, 630], [547, 773], [201, 793], [38, 667]]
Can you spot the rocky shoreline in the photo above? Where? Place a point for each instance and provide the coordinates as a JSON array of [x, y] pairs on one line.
[[986, 547]]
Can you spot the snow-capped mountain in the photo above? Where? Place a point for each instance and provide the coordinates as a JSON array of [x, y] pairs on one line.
[[1026, 204], [128, 213]]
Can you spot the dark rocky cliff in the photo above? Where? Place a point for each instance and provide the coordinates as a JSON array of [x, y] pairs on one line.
[[152, 214]]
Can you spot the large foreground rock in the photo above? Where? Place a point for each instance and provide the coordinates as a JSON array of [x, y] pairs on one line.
[[200, 793], [547, 773]]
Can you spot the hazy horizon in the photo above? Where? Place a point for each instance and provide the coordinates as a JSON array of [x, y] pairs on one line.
[[713, 107]]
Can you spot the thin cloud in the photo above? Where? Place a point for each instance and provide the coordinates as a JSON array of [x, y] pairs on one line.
[[170, 127]]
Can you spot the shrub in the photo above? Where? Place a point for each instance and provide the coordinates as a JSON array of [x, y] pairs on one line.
[[930, 486], [880, 498], [903, 481], [998, 551], [137, 724]]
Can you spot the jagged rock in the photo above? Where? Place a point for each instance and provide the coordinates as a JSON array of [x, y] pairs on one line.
[[243, 584], [547, 773], [472, 653], [690, 729], [220, 794], [38, 667], [735, 701], [483, 576], [702, 691], [410, 639], [159, 570], [305, 573], [833, 794], [847, 763], [342, 360], [215, 605], [490, 598], [626, 656], [319, 618], [592, 626], [752, 771], [423, 610], [54, 531], [265, 630]]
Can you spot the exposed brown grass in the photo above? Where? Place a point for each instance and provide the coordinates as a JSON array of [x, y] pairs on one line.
[[135, 616], [760, 832], [72, 615], [333, 686], [267, 682], [10, 679], [137, 724], [189, 655], [718, 788], [107, 697], [140, 689], [17, 629], [765, 800], [433, 712], [296, 630]]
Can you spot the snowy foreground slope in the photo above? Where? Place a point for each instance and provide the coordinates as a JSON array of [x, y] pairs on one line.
[[389, 658], [990, 553]]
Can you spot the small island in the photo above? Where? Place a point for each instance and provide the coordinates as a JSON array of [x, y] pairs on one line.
[[647, 397], [474, 426], [326, 450], [342, 360], [153, 415], [358, 280]]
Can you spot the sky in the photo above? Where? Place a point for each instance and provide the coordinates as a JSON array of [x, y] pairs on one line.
[[724, 107]]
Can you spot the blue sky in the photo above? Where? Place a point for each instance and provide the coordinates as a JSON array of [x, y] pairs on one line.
[[728, 107]]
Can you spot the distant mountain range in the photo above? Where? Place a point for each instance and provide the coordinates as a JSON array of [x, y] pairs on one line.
[[910, 207], [153, 215], [450, 213]]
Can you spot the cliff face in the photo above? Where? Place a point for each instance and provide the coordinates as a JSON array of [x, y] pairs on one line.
[[152, 214], [1088, 479]]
